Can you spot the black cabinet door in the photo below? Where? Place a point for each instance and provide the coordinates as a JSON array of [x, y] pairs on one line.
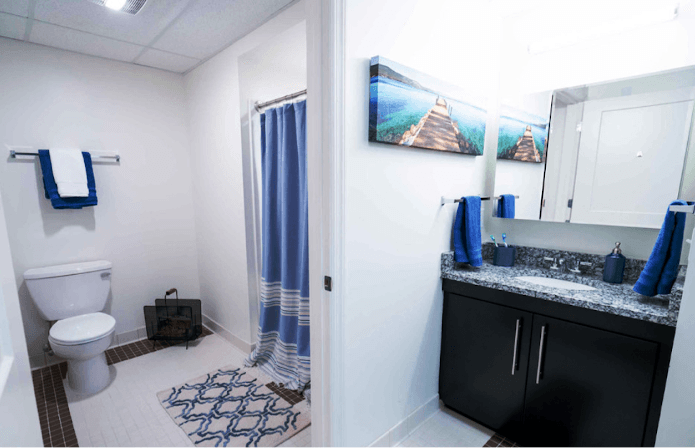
[[484, 361], [586, 387]]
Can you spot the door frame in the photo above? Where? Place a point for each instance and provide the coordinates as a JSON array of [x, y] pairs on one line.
[[326, 182], [17, 402]]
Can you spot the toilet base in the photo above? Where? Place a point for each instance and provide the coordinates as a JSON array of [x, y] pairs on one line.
[[88, 376]]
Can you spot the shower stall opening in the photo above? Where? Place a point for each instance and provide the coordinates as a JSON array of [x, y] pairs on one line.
[[272, 82]]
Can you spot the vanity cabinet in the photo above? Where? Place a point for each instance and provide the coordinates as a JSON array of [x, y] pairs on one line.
[[586, 387], [484, 361], [549, 374]]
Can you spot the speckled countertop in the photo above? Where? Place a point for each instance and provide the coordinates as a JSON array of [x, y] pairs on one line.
[[610, 298]]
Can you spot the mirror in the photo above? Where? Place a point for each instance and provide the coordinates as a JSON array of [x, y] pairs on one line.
[[615, 153]]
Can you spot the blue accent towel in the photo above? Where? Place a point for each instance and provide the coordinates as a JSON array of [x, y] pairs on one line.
[[661, 269], [505, 206], [51, 189], [467, 241]]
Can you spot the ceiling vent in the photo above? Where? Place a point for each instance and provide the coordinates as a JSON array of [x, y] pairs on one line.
[[130, 6]]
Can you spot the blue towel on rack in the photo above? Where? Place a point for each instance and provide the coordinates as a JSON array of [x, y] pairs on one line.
[[467, 241], [661, 269], [505, 206], [51, 189]]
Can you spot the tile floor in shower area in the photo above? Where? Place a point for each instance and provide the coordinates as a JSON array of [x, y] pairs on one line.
[[127, 412]]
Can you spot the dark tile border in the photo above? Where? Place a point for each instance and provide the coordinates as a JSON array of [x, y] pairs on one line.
[[498, 440], [54, 415], [139, 348], [291, 396]]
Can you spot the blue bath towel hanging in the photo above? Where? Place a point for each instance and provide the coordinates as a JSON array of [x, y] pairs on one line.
[[467, 240], [51, 189], [506, 206], [661, 270]]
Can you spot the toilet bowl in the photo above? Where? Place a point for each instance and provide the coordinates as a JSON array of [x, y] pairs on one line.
[[82, 341], [73, 296]]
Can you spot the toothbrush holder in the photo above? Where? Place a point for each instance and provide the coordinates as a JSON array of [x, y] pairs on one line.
[[504, 256]]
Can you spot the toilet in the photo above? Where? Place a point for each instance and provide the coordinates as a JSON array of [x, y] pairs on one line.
[[73, 296]]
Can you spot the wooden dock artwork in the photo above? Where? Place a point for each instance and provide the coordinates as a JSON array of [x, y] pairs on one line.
[[525, 148], [407, 108], [436, 130], [523, 133]]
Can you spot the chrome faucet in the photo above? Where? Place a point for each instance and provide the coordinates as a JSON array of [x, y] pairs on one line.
[[558, 263], [578, 268]]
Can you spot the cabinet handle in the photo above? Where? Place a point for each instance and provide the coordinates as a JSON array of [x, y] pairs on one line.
[[540, 355], [516, 344]]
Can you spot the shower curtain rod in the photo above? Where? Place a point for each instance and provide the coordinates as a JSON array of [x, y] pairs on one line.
[[258, 106]]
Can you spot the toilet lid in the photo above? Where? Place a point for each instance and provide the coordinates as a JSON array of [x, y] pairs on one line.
[[82, 329]]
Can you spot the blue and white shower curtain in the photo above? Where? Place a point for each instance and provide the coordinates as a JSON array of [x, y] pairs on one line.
[[282, 350]]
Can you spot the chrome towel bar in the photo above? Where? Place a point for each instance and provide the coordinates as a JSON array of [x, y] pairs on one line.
[[35, 153], [452, 200]]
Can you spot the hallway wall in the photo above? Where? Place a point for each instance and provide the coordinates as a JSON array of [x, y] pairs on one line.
[[395, 227]]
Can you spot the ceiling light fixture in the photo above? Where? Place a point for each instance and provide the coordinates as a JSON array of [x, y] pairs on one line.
[[127, 6], [116, 5], [645, 18]]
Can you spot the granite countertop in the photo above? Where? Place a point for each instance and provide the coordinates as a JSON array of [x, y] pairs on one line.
[[618, 299]]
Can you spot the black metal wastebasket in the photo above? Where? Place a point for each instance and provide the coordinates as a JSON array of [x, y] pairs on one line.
[[178, 322]]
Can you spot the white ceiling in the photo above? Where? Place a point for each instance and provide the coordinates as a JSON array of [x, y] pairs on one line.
[[174, 35]]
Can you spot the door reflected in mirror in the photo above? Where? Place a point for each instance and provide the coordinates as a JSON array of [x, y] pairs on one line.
[[615, 153]]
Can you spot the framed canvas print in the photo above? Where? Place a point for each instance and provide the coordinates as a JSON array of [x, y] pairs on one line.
[[523, 129], [410, 108]]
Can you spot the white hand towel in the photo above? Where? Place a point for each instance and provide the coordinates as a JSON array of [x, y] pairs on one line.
[[69, 172]]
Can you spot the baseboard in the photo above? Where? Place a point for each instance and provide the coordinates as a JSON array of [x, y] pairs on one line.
[[239, 343], [38, 361], [129, 336], [405, 427]]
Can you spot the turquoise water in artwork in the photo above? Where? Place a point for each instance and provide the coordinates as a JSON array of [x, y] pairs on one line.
[[398, 106], [471, 122], [511, 130]]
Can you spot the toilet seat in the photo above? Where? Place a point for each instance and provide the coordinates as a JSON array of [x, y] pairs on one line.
[[82, 329]]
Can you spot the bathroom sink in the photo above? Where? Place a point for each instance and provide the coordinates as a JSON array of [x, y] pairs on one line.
[[555, 283]]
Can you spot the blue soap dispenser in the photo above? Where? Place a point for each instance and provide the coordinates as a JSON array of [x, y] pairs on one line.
[[615, 265]]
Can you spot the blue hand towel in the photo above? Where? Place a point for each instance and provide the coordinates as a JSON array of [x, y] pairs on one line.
[[661, 269], [51, 189], [505, 206], [467, 241]]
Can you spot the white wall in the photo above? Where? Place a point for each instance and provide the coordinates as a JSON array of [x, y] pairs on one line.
[[144, 221], [395, 227], [645, 50], [17, 402], [272, 70], [217, 164], [524, 179]]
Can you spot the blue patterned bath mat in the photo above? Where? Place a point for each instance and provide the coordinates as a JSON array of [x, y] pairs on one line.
[[233, 407]]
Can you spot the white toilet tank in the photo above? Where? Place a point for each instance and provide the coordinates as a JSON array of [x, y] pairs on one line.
[[69, 290]]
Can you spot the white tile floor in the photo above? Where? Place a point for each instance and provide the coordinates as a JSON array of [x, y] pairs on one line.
[[447, 428], [127, 412]]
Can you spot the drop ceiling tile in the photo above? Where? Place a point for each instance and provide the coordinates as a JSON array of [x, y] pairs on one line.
[[208, 26], [12, 26], [67, 39], [166, 61], [16, 7], [83, 15]]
